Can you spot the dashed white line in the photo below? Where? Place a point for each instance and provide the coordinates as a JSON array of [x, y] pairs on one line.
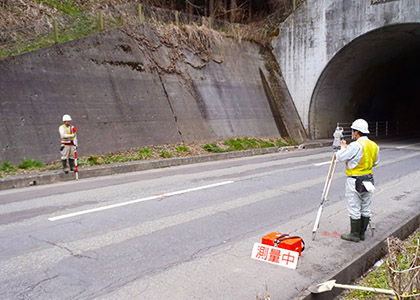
[[323, 163], [83, 212], [407, 146]]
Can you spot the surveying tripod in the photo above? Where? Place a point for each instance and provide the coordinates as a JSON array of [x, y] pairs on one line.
[[338, 137]]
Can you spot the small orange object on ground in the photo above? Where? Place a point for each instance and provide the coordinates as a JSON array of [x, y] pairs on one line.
[[284, 241]]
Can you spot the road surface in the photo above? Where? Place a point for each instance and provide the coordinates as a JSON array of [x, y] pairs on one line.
[[187, 232]]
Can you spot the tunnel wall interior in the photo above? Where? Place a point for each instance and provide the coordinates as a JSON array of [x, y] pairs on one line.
[[131, 89], [375, 77]]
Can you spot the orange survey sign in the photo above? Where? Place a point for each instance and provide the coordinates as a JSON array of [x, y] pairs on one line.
[[278, 256]]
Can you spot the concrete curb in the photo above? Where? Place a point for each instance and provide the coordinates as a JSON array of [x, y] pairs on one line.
[[58, 176], [365, 261]]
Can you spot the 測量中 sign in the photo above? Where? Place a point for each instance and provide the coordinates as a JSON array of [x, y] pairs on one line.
[[278, 256]]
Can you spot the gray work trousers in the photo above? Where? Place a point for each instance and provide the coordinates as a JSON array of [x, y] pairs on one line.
[[358, 204], [67, 152]]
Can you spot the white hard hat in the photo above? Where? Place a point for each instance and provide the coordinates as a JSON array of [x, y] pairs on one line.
[[360, 125], [66, 118]]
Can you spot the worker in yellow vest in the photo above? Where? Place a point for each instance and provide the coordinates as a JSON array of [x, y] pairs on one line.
[[68, 142], [360, 157]]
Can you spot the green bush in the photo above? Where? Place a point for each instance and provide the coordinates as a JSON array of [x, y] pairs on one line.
[[29, 164]]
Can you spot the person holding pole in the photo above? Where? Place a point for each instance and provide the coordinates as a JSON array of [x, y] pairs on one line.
[[360, 157], [68, 143]]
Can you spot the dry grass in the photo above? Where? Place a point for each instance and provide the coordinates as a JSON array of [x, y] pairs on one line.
[[400, 272]]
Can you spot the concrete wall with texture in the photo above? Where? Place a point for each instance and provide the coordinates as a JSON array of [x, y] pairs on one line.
[[134, 87]]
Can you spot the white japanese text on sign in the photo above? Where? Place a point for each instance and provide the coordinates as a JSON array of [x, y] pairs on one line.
[[278, 256]]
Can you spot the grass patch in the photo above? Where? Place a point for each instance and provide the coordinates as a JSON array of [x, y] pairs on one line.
[[67, 7], [281, 143], [377, 279], [402, 255], [151, 152], [181, 149], [7, 167], [145, 153], [165, 154], [30, 164], [292, 142], [77, 26], [22, 46], [266, 144], [246, 143], [235, 144], [213, 148], [93, 160]]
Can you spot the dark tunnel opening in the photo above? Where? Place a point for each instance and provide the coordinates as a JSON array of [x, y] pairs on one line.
[[375, 77]]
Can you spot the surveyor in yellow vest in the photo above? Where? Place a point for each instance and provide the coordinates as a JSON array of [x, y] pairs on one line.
[[68, 142], [360, 157]]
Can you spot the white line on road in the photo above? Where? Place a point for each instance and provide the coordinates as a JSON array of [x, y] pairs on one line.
[[83, 212], [323, 163], [406, 146]]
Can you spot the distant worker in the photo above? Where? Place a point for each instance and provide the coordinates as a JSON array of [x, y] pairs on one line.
[[360, 157], [68, 142]]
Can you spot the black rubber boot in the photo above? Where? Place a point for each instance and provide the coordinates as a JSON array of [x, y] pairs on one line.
[[65, 170], [354, 235], [364, 222], [71, 163]]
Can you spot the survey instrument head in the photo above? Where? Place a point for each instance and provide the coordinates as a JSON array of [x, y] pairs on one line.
[[338, 137]]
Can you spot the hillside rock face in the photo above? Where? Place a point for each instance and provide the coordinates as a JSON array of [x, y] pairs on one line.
[[139, 86]]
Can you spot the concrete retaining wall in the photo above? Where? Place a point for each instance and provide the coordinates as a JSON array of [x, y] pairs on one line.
[[134, 87]]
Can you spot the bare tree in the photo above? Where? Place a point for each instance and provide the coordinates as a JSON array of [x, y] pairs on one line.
[[211, 8], [233, 7]]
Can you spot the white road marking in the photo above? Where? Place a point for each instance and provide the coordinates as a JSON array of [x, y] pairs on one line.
[[83, 212], [407, 146], [323, 163]]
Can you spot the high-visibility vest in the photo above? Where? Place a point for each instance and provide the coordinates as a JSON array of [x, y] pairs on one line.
[[370, 153], [69, 130]]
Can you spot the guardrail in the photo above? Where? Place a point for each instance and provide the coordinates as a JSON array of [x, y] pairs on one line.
[[377, 128]]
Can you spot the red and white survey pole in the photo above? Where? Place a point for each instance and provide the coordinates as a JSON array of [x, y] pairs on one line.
[[75, 155], [75, 163]]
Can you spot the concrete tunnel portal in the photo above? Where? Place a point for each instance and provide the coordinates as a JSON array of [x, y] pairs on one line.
[[375, 77]]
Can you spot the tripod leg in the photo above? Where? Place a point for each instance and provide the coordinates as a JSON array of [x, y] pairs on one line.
[[325, 194]]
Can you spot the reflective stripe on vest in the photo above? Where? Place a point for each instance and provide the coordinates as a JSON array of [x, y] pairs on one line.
[[69, 130], [370, 152]]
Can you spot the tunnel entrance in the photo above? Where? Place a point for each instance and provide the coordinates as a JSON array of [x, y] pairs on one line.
[[375, 77]]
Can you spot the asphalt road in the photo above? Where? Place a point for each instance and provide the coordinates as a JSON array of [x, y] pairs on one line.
[[186, 232]]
